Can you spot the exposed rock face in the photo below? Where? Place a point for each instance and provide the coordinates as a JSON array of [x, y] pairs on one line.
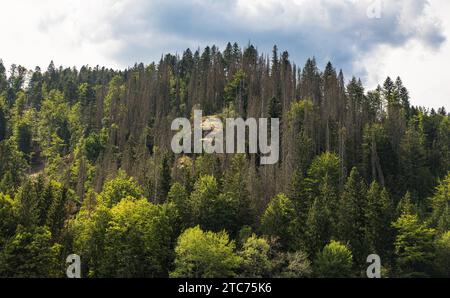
[[211, 125]]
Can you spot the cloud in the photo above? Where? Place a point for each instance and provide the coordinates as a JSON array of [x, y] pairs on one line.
[[328, 29], [129, 31], [118, 33], [423, 71]]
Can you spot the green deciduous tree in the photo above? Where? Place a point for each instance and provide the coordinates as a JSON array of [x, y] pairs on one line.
[[255, 258], [119, 188], [334, 261], [324, 168], [205, 255], [212, 211], [88, 231], [138, 240], [414, 246]]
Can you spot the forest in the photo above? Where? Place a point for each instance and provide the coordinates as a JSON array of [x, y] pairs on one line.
[[86, 168]]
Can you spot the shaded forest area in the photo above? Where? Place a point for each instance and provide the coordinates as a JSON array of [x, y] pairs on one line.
[[86, 168]]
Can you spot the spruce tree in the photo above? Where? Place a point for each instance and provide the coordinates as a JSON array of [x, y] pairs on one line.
[[280, 222], [352, 216], [380, 213], [235, 190], [320, 219]]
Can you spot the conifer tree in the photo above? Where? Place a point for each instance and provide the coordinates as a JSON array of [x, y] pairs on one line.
[[235, 191], [352, 216], [180, 197], [320, 219], [380, 214], [440, 204], [279, 220]]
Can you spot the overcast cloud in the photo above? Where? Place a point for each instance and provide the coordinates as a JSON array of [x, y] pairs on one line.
[[409, 39]]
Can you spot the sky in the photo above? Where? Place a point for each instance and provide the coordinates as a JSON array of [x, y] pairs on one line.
[[370, 39]]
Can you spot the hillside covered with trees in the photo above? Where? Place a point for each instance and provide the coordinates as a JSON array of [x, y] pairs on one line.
[[86, 167]]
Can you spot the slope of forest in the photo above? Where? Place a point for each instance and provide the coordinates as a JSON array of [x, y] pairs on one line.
[[86, 167]]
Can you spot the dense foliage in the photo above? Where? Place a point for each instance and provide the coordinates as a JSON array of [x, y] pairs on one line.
[[86, 168]]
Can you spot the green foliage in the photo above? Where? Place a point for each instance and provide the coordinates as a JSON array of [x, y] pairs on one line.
[[180, 198], [23, 133], [205, 255], [317, 200], [442, 259], [295, 265], [68, 136], [30, 253], [235, 192], [380, 213], [352, 216], [275, 108], [413, 246], [94, 145], [138, 240], [8, 223], [279, 221], [380, 161], [38, 202], [3, 120], [165, 175], [320, 220], [255, 258], [334, 261], [208, 164], [406, 205], [54, 127], [26, 205], [119, 188], [211, 210], [416, 176], [440, 204], [233, 88], [57, 213], [12, 166], [324, 168], [113, 101], [88, 230]]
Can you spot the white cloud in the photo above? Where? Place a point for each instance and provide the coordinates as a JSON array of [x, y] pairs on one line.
[[423, 70], [406, 41], [68, 32]]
